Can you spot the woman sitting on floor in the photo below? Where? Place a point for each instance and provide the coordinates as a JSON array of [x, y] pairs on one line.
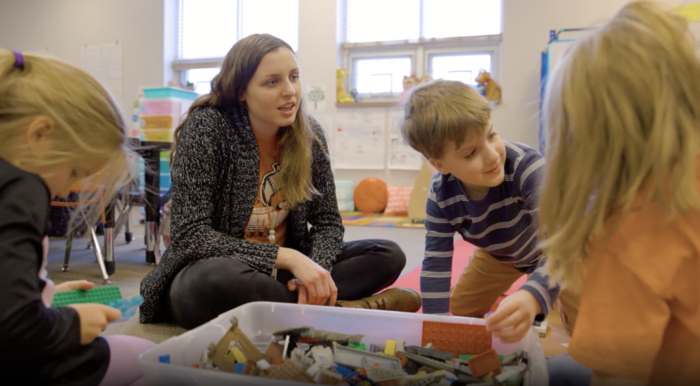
[[250, 170]]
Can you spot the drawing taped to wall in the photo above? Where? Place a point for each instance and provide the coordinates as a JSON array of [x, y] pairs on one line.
[[360, 140], [401, 156], [316, 98]]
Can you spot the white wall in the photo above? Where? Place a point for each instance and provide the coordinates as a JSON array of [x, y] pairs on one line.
[[526, 26], [146, 29], [62, 27]]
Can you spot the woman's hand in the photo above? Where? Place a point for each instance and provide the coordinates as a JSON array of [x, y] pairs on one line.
[[296, 285], [317, 283], [75, 285], [514, 317]]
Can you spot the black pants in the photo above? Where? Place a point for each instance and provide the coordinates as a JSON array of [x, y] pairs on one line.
[[208, 288]]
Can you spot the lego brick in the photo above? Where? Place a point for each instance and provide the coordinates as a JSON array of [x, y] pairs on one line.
[[127, 307], [101, 295], [220, 352], [288, 371], [400, 345], [431, 363], [430, 353], [378, 374], [458, 339], [327, 377], [238, 354], [402, 358], [358, 346], [274, 351], [484, 364], [322, 355], [390, 348], [345, 356], [511, 374]]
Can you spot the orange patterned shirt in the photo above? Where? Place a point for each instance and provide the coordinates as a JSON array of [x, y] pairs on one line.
[[270, 205]]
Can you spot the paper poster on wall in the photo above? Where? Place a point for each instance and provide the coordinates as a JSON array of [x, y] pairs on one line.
[[360, 140], [104, 62], [316, 98], [401, 156]]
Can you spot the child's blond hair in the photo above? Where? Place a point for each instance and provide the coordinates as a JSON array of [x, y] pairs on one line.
[[441, 111], [88, 124], [621, 108]]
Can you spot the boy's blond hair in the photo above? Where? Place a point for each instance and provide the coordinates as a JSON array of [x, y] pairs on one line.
[[441, 111], [88, 124], [621, 108]]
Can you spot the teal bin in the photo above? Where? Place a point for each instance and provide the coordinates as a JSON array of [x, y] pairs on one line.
[[169, 92], [343, 191]]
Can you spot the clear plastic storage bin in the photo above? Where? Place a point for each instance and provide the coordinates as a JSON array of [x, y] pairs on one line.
[[259, 320]]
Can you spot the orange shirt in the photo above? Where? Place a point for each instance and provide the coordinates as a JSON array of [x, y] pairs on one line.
[[639, 316], [270, 205]]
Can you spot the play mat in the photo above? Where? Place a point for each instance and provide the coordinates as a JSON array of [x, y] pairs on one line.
[[378, 220]]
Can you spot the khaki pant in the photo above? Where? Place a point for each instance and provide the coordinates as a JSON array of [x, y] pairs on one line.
[[485, 279]]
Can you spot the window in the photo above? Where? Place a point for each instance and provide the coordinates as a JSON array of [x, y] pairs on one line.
[[455, 66], [446, 39], [201, 78], [379, 76], [209, 28]]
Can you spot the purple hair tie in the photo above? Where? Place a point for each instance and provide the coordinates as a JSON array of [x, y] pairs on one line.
[[19, 59]]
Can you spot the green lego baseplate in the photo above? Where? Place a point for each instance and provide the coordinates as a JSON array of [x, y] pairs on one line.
[[101, 295]]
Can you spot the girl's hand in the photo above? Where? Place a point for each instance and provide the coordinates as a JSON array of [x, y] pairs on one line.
[[319, 286], [75, 285], [514, 317], [94, 319]]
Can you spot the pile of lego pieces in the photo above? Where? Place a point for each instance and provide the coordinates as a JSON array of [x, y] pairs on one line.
[[321, 357]]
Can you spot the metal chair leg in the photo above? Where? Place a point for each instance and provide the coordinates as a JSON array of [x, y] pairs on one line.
[[69, 245], [98, 255]]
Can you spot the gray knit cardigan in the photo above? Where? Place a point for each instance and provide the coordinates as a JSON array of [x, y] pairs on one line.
[[215, 180]]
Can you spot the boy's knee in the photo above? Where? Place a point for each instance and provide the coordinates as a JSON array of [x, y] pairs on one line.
[[457, 305]]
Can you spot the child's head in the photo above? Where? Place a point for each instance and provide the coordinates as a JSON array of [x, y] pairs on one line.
[[60, 123], [623, 105], [261, 74], [449, 123]]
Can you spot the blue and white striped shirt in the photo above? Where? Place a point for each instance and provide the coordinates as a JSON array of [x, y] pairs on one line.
[[503, 223]]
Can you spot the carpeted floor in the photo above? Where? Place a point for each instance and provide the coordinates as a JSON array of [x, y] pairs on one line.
[[131, 267], [378, 220]]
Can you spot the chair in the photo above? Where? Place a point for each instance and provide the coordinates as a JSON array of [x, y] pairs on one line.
[[80, 188]]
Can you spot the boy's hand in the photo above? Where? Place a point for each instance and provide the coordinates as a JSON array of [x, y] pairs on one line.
[[94, 319], [75, 285], [514, 316]]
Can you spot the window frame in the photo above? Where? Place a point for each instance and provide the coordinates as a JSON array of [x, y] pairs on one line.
[[493, 50], [181, 66], [421, 52], [377, 54]]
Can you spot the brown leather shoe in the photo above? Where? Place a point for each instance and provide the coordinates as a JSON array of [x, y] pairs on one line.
[[393, 299]]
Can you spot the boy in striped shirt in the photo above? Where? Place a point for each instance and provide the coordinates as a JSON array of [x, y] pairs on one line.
[[485, 191]]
